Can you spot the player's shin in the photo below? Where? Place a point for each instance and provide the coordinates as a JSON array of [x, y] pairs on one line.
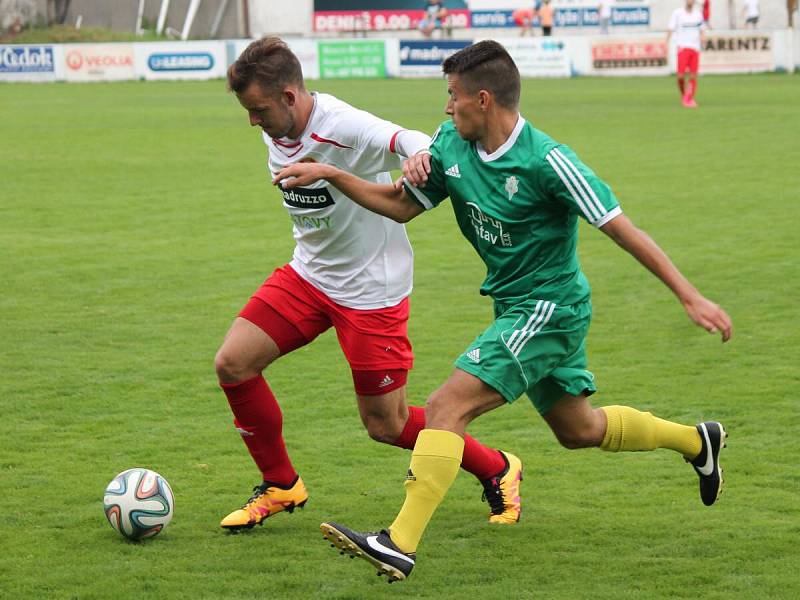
[[692, 88], [630, 430], [434, 465], [260, 423], [482, 461]]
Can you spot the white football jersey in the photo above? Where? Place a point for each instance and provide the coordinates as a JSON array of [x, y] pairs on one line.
[[751, 8], [356, 257], [687, 26]]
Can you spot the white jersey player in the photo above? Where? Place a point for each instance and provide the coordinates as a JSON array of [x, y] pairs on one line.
[[751, 13], [369, 262], [687, 25], [351, 270]]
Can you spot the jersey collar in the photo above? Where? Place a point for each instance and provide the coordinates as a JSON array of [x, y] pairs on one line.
[[505, 147], [312, 115]]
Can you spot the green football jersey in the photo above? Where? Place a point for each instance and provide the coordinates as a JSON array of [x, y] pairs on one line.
[[519, 208]]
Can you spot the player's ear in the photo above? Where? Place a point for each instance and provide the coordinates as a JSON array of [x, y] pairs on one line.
[[289, 96], [484, 98]]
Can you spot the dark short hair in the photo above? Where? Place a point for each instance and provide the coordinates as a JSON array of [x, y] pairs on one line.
[[486, 66], [270, 63]]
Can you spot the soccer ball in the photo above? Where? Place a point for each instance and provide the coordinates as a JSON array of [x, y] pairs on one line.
[[138, 503]]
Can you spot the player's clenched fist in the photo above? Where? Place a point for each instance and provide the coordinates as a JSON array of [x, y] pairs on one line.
[[417, 168]]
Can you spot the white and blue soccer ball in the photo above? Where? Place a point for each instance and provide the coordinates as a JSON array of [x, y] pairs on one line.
[[138, 503]]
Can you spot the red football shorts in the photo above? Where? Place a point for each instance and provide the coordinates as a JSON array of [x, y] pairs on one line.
[[372, 340], [688, 60]]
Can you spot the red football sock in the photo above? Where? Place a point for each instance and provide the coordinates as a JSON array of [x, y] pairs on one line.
[[692, 88], [260, 422], [481, 461]]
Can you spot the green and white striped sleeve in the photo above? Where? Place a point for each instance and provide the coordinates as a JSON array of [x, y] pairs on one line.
[[576, 185]]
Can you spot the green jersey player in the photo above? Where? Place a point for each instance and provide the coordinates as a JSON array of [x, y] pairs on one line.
[[517, 196], [518, 207]]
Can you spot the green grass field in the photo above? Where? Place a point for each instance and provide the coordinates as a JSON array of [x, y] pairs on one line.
[[136, 219]]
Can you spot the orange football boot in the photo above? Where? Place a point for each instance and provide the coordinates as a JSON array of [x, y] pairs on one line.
[[268, 499], [502, 492]]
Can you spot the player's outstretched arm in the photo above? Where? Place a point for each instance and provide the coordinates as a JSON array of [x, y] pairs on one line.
[[700, 309], [386, 200]]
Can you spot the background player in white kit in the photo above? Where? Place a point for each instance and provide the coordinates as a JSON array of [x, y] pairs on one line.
[[750, 13], [352, 270], [688, 26]]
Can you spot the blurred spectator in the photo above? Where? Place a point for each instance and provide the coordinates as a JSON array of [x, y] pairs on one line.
[[546, 18], [523, 17], [604, 10], [435, 17], [750, 14]]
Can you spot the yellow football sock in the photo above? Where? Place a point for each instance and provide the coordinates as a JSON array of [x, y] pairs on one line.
[[434, 465], [630, 430]]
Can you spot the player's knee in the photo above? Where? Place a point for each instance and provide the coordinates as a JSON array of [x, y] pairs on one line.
[[577, 436], [443, 410], [383, 430], [231, 368]]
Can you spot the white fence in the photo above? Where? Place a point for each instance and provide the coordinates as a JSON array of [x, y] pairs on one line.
[[629, 54]]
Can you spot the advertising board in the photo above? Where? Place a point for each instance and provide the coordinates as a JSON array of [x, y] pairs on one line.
[[28, 62], [737, 52], [629, 56], [98, 62], [566, 17], [423, 58], [380, 20], [381, 15], [352, 59], [539, 57], [180, 60]]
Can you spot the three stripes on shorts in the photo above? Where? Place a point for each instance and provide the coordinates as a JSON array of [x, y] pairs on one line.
[[539, 317]]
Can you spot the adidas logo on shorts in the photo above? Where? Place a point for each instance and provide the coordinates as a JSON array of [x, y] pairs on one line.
[[474, 355], [453, 171], [386, 381]]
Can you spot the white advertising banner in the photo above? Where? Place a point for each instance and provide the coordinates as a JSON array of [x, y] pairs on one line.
[[306, 51], [644, 54], [180, 60], [30, 62], [539, 57], [99, 62], [738, 52]]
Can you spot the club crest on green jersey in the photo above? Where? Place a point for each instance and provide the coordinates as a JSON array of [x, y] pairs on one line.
[[512, 186]]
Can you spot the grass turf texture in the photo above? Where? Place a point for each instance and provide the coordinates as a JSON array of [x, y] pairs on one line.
[[136, 219]]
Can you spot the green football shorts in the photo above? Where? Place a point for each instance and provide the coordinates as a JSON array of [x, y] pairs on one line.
[[534, 347]]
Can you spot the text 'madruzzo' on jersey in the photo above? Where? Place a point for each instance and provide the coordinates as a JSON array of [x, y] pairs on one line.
[[307, 197]]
